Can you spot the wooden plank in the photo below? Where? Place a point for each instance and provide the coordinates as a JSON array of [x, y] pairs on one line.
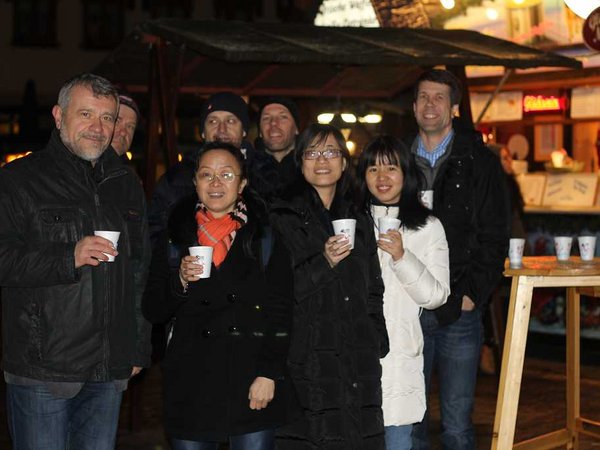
[[573, 361], [550, 266], [545, 441], [512, 364]]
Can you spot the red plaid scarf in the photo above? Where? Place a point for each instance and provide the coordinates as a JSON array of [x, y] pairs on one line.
[[219, 233]]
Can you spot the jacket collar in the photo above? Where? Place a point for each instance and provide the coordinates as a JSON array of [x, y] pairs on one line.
[[108, 163]]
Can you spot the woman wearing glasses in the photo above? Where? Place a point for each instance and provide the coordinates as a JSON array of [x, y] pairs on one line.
[[414, 266], [225, 366], [338, 332]]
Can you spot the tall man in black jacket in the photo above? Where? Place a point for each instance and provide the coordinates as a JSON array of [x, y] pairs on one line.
[[73, 333], [464, 186]]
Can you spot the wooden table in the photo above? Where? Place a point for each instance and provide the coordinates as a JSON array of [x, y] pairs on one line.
[[578, 277]]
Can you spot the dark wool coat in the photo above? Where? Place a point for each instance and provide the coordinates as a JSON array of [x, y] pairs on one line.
[[338, 332], [471, 200], [229, 329]]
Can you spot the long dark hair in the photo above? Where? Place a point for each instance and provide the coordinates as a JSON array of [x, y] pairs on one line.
[[387, 149], [317, 133]]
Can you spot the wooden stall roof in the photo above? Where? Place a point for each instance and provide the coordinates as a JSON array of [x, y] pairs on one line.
[[258, 59]]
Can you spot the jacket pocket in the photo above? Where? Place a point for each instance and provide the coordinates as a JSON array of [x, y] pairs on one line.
[[59, 224]]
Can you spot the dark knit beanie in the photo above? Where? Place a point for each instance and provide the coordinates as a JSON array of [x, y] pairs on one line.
[[125, 99], [285, 101], [226, 101]]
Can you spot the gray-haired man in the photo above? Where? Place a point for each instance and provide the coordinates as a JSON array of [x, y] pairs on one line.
[[72, 329]]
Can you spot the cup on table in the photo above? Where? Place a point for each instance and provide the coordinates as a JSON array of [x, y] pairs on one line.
[[515, 252], [587, 247], [562, 247], [203, 254], [113, 237], [347, 227]]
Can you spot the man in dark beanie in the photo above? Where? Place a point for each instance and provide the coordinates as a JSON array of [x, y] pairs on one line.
[[224, 117], [273, 169]]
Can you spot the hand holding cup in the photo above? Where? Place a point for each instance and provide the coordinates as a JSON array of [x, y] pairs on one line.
[[336, 248], [93, 250], [391, 242], [189, 269]]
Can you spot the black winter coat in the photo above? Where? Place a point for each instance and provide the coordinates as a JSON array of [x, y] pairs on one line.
[[228, 330], [338, 333], [62, 323], [471, 200]]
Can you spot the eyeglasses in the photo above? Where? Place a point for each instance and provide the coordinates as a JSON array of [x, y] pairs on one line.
[[327, 154], [224, 177]]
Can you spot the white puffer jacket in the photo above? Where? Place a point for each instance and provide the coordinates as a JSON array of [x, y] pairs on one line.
[[420, 279]]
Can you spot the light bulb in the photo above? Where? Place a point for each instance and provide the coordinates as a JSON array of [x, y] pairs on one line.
[[448, 4], [582, 8], [325, 117]]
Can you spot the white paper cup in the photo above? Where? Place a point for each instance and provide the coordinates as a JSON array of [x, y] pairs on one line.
[[112, 236], [562, 247], [587, 247], [203, 255], [515, 252], [347, 227], [427, 198], [388, 223]]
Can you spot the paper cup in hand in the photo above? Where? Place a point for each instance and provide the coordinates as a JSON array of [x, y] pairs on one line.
[[388, 223], [587, 247], [203, 255], [347, 227], [515, 252], [427, 198], [562, 246], [112, 236]]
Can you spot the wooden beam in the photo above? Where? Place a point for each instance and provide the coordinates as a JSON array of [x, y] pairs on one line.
[[166, 105], [266, 72], [465, 103], [153, 115]]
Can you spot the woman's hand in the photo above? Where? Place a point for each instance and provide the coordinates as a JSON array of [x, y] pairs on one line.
[[336, 248], [261, 392], [391, 242], [189, 270]]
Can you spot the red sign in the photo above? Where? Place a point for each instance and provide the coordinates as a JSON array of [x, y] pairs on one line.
[[539, 103], [591, 30]]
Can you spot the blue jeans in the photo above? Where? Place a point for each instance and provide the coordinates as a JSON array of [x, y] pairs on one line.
[[259, 440], [39, 421], [454, 351], [398, 437]]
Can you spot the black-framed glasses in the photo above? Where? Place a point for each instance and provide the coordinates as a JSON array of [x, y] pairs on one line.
[[224, 177], [327, 154]]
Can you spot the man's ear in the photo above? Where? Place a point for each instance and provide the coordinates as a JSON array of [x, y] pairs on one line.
[[244, 134], [57, 113], [344, 164], [454, 110]]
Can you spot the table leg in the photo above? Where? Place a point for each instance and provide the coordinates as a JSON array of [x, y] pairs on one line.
[[512, 363], [573, 365]]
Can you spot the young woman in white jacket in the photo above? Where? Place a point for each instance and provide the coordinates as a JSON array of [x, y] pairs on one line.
[[414, 266]]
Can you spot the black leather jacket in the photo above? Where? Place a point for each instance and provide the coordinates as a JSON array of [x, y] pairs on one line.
[[60, 323]]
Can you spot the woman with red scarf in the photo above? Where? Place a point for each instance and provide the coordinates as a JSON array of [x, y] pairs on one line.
[[225, 373]]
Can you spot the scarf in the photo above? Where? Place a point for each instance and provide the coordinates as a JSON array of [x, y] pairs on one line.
[[219, 233]]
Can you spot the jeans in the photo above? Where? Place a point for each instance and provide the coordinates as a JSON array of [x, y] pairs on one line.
[[398, 437], [259, 440], [39, 421], [454, 351]]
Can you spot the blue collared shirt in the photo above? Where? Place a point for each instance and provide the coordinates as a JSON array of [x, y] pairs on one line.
[[437, 152]]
